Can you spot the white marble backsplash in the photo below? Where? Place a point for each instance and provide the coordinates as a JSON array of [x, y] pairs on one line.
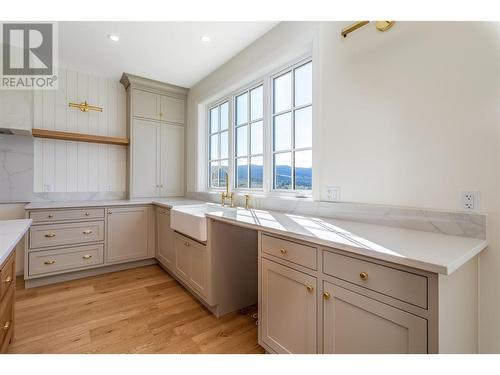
[[82, 196], [16, 168], [444, 222]]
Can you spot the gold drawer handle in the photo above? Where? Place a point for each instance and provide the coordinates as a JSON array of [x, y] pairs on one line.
[[283, 251], [50, 235], [309, 288], [49, 262], [87, 214], [187, 244], [326, 295], [8, 280], [363, 276], [87, 256], [6, 325], [88, 231]]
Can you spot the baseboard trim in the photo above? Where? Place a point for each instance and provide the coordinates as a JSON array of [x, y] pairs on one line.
[[86, 273]]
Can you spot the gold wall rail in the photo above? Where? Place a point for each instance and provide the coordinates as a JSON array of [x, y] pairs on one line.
[[85, 107], [380, 25]]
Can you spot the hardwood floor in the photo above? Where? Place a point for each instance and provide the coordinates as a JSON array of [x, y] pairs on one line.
[[141, 310]]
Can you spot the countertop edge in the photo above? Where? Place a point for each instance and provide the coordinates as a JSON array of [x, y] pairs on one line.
[[414, 263], [14, 243]]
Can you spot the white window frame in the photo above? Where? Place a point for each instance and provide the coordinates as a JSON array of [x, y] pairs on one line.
[[248, 123], [293, 109], [208, 160], [268, 173]]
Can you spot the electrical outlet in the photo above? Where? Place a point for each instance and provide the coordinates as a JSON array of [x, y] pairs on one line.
[[470, 200], [333, 193]]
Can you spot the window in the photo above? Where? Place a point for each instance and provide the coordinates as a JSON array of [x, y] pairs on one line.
[[292, 128], [262, 135], [218, 153], [249, 139]]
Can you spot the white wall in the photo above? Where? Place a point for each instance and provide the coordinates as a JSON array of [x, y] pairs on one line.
[[65, 167], [409, 117]]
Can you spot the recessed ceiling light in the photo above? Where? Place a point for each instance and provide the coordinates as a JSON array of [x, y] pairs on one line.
[[114, 38], [205, 38]]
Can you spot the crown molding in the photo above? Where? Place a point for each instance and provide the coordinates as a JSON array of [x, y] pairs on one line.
[[134, 81]]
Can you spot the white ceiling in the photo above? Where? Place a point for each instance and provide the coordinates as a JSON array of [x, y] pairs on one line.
[[166, 51]]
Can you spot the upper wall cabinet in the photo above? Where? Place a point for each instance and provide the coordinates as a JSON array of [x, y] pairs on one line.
[[155, 124], [152, 106]]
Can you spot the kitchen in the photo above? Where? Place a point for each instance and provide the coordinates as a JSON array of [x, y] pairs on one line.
[[311, 188]]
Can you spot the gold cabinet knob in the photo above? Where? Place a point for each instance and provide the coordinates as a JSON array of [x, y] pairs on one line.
[[50, 235], [309, 288], [8, 279], [87, 256], [49, 262], [87, 214], [326, 295], [161, 114], [283, 251], [363, 276], [6, 325], [187, 244], [88, 231], [110, 212], [51, 216]]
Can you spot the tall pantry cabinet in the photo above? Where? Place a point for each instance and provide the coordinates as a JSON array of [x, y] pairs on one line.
[[156, 114]]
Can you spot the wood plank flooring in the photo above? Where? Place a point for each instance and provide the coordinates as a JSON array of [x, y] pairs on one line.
[[141, 310]]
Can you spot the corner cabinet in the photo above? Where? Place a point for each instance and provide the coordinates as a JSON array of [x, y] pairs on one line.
[[156, 127], [165, 252], [127, 234]]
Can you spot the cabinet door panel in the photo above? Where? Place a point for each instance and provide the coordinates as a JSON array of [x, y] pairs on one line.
[[288, 309], [199, 273], [172, 109], [172, 160], [182, 258], [145, 104], [165, 237], [355, 324], [144, 144], [127, 234]]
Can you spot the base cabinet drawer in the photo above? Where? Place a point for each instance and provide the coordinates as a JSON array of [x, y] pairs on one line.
[[58, 215], [64, 260], [287, 310], [51, 235], [402, 285], [6, 319], [292, 251], [355, 324], [7, 275]]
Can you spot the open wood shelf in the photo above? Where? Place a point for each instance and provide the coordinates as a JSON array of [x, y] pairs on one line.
[[79, 137]]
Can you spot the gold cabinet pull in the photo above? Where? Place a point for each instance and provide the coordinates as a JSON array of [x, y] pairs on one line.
[[283, 251], [8, 279], [87, 256], [187, 244], [363, 276], [326, 295], [50, 235], [87, 214], [88, 231], [6, 325], [51, 216], [309, 288], [49, 262]]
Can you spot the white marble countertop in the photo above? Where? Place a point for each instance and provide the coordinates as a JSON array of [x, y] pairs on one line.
[[428, 251], [167, 202], [11, 232]]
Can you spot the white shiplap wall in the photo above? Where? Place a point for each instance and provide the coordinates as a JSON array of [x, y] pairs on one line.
[[64, 166]]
